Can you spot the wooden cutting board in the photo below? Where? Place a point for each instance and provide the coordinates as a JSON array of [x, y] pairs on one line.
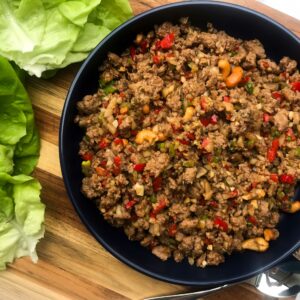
[[72, 265]]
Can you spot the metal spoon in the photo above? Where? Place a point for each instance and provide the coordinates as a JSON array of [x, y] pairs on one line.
[[275, 283]]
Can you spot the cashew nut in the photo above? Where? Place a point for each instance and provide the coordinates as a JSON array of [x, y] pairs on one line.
[[146, 109], [270, 234], [145, 135], [224, 65], [235, 77], [257, 193], [123, 110], [256, 244], [189, 112], [168, 90], [294, 207]]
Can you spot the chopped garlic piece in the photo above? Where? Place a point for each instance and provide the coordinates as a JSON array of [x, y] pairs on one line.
[[139, 189]]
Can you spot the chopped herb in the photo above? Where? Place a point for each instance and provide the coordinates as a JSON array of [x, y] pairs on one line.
[[162, 147], [188, 164], [109, 88], [297, 152], [233, 53], [172, 150], [153, 199], [249, 87]]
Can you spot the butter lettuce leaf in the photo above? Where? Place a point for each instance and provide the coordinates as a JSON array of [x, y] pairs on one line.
[[58, 32]]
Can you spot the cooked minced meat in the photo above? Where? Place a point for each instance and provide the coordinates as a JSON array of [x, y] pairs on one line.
[[192, 142]]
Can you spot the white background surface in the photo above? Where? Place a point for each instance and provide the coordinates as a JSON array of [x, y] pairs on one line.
[[290, 7]]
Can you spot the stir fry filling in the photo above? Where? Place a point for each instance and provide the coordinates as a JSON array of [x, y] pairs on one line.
[[192, 142]]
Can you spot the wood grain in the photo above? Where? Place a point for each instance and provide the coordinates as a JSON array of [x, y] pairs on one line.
[[72, 264]]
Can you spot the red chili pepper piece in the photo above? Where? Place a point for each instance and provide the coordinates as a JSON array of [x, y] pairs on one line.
[[133, 132], [218, 221], [117, 161], [130, 204], [296, 86], [254, 185], [205, 143], [156, 59], [103, 143], [157, 111], [266, 117], [274, 177], [252, 220], [286, 178], [157, 183], [277, 95], [168, 41], [272, 152], [233, 194], [290, 133], [226, 99], [139, 167], [190, 136], [132, 53], [118, 141], [116, 170], [183, 142], [87, 156], [172, 230]]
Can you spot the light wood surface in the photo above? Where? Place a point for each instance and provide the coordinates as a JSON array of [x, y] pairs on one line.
[[72, 265]]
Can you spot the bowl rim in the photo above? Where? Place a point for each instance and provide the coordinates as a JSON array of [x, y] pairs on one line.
[[83, 218]]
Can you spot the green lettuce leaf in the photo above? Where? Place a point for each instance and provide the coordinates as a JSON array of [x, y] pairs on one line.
[[21, 211], [21, 218], [17, 127], [58, 32]]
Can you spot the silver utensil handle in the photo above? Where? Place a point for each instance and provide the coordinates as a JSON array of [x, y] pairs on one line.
[[188, 296]]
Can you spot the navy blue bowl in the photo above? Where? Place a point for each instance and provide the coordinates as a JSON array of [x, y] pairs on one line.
[[235, 20]]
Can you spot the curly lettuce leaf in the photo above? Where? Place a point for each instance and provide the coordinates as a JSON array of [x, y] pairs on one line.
[[58, 32]]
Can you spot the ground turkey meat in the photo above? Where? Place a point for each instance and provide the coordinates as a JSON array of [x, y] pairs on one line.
[[185, 161]]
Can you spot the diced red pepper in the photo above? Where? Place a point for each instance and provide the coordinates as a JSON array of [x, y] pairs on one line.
[[117, 161], [120, 120], [183, 142], [254, 185], [205, 121], [103, 163], [130, 204], [228, 117], [207, 241], [272, 151], [245, 80], [144, 46], [266, 117], [158, 208], [233, 194], [205, 143], [190, 136], [139, 167], [296, 86], [290, 133], [226, 99], [213, 204], [157, 183], [214, 119], [122, 94], [116, 170], [132, 53], [286, 178], [157, 111], [156, 59], [157, 45], [218, 221], [172, 230], [274, 177], [168, 41], [284, 75], [87, 156], [277, 95], [203, 103], [252, 220], [103, 143], [133, 132], [118, 141]]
